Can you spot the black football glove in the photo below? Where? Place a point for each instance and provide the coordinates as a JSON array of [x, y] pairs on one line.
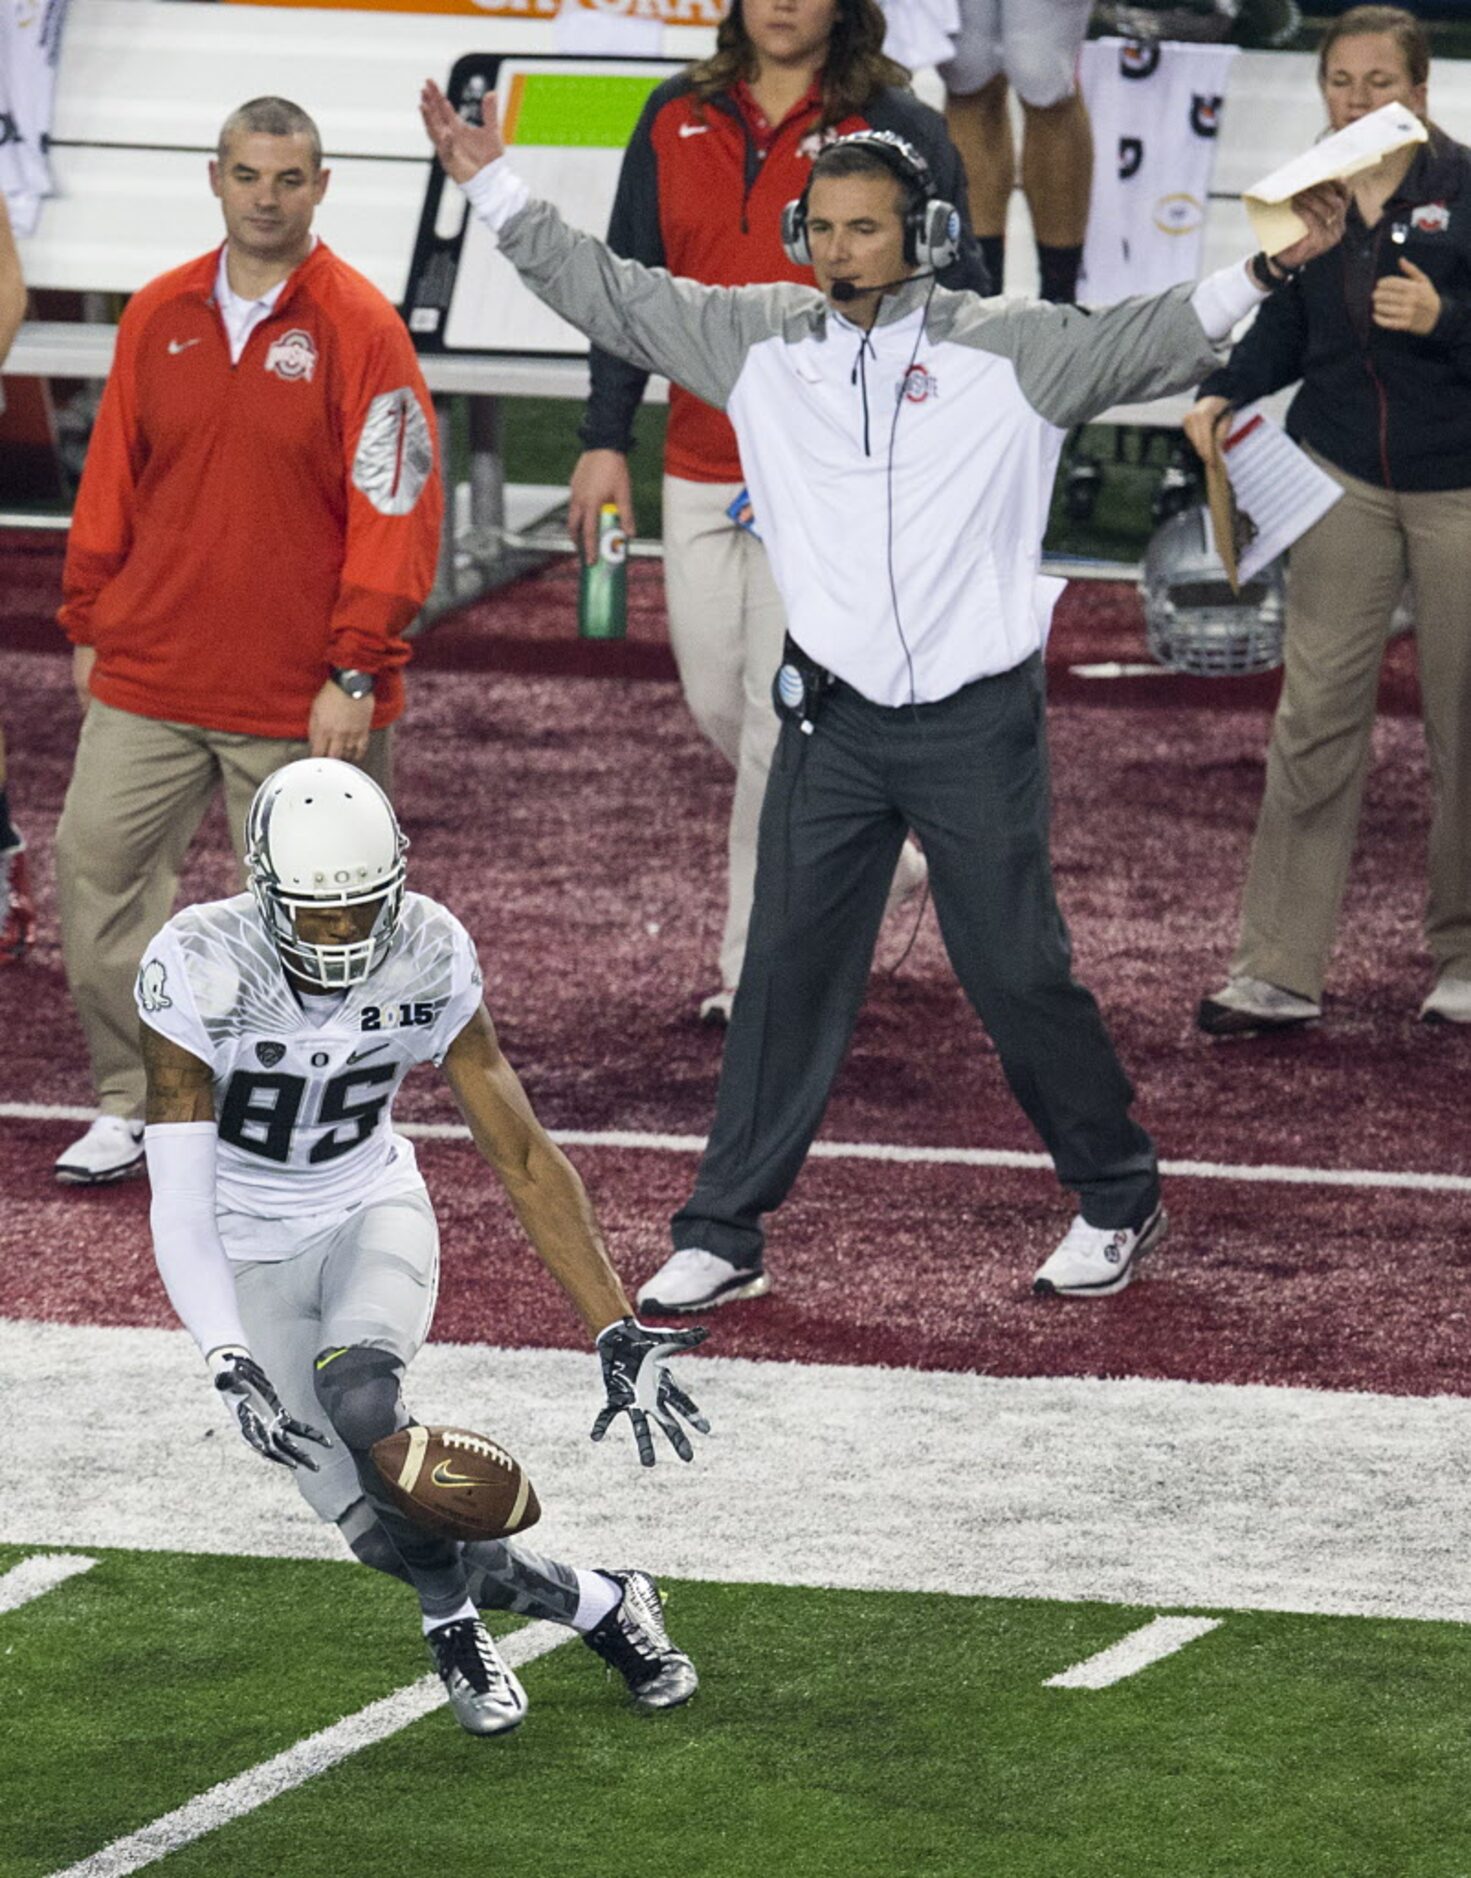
[[263, 1421], [636, 1380]]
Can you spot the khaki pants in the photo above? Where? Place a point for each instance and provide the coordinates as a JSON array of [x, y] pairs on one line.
[[726, 626], [1344, 578], [138, 792]]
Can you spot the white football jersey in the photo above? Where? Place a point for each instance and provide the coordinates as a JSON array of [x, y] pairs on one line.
[[304, 1105]]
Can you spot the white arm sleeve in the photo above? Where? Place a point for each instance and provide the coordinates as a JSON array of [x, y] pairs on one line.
[[186, 1236], [496, 193], [1225, 298]]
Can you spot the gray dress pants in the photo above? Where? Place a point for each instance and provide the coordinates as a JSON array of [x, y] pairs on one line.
[[969, 775]]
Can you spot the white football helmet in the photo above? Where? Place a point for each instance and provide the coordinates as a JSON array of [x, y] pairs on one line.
[[1192, 620], [321, 833]]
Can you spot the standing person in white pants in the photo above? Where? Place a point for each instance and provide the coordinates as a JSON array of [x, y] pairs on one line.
[[716, 154]]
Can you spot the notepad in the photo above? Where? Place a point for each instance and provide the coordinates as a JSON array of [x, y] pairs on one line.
[[1357, 147], [1267, 494]]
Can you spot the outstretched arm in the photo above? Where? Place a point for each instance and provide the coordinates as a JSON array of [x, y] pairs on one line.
[[552, 1205], [697, 335], [1075, 362], [542, 1184]]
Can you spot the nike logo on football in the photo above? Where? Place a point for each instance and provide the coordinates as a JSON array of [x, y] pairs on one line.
[[693, 130], [444, 1476], [372, 1050], [180, 345]]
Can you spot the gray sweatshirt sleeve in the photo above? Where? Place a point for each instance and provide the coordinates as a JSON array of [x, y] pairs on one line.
[[1073, 363], [698, 336]]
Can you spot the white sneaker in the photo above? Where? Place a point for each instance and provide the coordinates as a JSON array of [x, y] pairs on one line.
[[111, 1149], [1093, 1261], [911, 877], [693, 1279], [1246, 1006], [1449, 1002]]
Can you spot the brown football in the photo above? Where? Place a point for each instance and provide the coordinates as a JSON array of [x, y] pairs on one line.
[[460, 1484]]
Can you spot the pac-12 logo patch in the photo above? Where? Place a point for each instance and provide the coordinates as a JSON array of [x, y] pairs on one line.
[[270, 1053], [151, 980], [293, 355], [1431, 218]]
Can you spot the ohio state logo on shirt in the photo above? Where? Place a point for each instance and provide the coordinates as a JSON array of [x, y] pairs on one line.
[[919, 385], [293, 355], [1431, 218]]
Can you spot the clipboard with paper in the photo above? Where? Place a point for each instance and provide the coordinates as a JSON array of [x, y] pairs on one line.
[[1357, 147], [1263, 493]]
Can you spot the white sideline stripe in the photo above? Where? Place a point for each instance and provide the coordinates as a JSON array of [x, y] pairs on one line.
[[34, 1577], [1162, 1496], [879, 1151], [257, 1786], [1130, 1654]]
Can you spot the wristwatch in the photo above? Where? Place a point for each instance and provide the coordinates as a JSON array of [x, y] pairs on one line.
[[1269, 273], [355, 684]]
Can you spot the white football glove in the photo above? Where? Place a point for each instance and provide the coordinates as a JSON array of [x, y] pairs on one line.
[[636, 1380], [263, 1421]]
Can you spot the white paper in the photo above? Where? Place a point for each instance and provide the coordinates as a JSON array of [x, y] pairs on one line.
[[1279, 486], [1357, 147]]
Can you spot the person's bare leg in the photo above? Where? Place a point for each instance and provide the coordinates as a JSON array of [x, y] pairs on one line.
[[980, 128], [1057, 178]]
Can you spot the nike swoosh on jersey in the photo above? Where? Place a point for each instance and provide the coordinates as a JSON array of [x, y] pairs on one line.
[[693, 130], [180, 345], [372, 1050]]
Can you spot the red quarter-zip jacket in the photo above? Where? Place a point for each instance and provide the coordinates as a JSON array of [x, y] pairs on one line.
[[241, 529]]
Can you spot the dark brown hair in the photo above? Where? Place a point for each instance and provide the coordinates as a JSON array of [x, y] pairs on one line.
[[1403, 28], [854, 71]]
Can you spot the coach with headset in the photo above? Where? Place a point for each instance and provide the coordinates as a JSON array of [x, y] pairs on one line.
[[899, 441]]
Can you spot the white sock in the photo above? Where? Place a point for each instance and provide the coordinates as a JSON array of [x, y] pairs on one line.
[[467, 1609], [597, 1594]]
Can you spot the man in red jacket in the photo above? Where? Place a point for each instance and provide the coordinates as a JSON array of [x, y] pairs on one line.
[[257, 524]]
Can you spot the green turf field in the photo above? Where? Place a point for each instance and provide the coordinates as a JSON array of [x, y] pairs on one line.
[[837, 1733]]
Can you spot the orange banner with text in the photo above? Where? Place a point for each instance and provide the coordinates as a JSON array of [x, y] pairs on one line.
[[667, 12]]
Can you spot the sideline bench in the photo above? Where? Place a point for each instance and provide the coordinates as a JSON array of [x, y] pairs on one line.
[[144, 85]]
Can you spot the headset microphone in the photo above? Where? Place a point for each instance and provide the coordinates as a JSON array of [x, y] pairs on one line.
[[843, 290]]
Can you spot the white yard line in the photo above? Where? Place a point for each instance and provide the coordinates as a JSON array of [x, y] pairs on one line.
[[1137, 1651], [257, 1786], [883, 1151], [34, 1577]]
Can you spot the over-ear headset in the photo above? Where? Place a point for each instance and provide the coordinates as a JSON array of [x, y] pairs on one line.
[[931, 226]]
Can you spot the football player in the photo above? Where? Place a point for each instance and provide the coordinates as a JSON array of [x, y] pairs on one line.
[[294, 1233]]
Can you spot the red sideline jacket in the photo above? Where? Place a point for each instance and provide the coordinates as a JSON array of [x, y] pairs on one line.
[[241, 529], [696, 196]]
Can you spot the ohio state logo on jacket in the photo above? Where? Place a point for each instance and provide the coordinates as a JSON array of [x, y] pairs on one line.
[[293, 355]]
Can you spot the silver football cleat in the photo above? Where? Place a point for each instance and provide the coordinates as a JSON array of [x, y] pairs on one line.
[[632, 1639], [484, 1693]]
